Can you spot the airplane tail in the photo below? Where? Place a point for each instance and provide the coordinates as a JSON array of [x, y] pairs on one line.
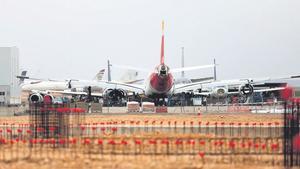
[[162, 49], [99, 75], [130, 76], [22, 77]]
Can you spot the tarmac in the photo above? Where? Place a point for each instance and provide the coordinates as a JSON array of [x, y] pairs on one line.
[[96, 108]]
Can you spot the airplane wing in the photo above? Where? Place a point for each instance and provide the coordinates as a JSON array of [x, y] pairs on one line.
[[131, 68], [134, 81], [197, 88], [190, 87], [257, 81], [176, 70], [130, 76], [138, 88], [202, 79], [280, 78], [206, 88], [259, 90], [270, 89], [76, 93]]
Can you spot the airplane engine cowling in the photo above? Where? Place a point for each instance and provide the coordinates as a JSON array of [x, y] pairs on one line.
[[246, 89], [39, 98], [115, 95], [48, 98], [219, 92], [35, 98]]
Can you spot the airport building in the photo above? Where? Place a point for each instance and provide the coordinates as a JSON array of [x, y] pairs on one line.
[[9, 68]]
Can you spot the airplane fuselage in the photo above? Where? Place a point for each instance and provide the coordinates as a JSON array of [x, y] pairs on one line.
[[43, 86], [160, 82]]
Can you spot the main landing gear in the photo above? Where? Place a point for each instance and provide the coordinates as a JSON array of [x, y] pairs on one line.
[[160, 102]]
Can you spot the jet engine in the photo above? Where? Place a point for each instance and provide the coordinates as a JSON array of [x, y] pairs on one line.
[[36, 98], [246, 89], [48, 98], [219, 92], [115, 96], [39, 97]]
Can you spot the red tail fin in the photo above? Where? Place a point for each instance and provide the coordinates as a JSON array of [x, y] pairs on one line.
[[162, 49]]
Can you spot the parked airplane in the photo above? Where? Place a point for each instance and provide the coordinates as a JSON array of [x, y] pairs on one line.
[[37, 88], [160, 84], [34, 84]]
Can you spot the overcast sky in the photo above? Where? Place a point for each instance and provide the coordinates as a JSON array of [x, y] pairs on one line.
[[74, 38]]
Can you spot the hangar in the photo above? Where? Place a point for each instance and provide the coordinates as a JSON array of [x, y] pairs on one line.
[[9, 69]]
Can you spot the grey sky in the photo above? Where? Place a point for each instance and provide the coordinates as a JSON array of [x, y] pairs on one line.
[[73, 38]]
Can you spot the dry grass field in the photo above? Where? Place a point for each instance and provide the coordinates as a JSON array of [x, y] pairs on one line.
[[204, 117], [139, 162], [85, 153]]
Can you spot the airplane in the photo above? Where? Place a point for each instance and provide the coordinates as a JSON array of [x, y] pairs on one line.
[[35, 84], [157, 86], [160, 84], [38, 88]]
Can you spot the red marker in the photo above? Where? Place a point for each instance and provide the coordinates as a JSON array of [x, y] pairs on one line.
[[100, 142], [178, 142], [138, 142], [201, 154]]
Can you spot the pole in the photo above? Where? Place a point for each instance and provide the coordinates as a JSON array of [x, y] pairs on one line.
[[108, 71], [215, 70], [182, 61]]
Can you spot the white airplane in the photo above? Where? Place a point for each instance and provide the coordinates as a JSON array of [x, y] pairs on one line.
[[43, 85], [244, 87], [38, 88], [161, 84]]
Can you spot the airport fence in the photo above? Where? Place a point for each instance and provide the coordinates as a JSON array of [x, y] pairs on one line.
[[234, 142], [96, 148], [291, 133], [59, 131]]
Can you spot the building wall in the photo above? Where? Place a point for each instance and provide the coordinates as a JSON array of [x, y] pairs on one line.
[[5, 67], [9, 69], [4, 93]]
